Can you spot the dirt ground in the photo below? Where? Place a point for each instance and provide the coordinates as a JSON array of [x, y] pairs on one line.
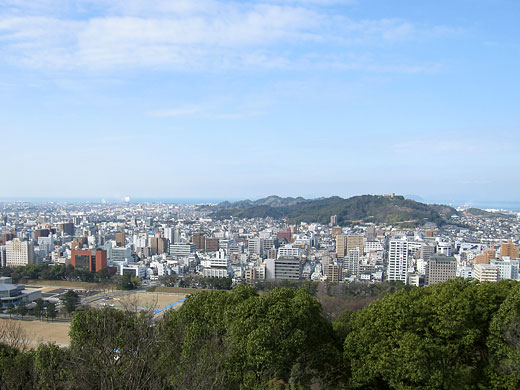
[[38, 332], [66, 284], [140, 301], [58, 332]]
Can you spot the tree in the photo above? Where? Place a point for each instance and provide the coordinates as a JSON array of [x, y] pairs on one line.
[[433, 337], [242, 340], [12, 334], [52, 366], [504, 344], [50, 310], [281, 336], [70, 301], [169, 280], [114, 349], [127, 282], [38, 309], [11, 309], [16, 368], [22, 309]]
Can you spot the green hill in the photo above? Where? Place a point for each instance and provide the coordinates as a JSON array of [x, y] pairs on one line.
[[365, 208]]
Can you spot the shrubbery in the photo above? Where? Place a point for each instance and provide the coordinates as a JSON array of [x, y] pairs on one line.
[[456, 335]]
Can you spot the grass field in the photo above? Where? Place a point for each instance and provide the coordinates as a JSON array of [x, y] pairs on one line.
[[37, 332]]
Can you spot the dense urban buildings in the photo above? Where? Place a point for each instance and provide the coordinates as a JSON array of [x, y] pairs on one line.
[[154, 240]]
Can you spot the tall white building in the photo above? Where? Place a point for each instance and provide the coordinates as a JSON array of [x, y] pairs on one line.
[[19, 253], [283, 268], [444, 248], [351, 262], [507, 268], [46, 244], [255, 245], [289, 251], [486, 272], [120, 254], [169, 233], [398, 260]]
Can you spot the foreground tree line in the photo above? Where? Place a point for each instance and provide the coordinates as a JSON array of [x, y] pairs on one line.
[[456, 335]]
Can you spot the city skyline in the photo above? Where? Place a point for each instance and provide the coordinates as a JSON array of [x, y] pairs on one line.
[[235, 100]]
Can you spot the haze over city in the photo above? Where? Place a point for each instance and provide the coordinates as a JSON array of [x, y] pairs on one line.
[[230, 100]]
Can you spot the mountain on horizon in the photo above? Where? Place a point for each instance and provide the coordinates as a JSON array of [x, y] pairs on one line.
[[364, 208]]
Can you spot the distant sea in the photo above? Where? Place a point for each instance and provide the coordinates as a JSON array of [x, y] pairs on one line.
[[119, 200], [496, 205]]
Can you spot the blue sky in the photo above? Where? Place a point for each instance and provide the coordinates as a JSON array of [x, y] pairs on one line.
[[221, 99]]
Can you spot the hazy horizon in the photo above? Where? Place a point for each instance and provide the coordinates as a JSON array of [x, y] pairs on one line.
[[512, 205]]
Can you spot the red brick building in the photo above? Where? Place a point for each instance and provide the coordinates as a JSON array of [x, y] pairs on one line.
[[93, 260]]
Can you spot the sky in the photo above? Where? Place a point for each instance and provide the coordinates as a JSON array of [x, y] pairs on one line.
[[244, 99]]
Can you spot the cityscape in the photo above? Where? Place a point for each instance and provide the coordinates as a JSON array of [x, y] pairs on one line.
[[259, 195], [151, 241]]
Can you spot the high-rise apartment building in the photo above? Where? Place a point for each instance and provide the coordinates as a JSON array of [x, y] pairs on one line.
[[510, 250], [199, 241], [289, 251], [66, 228], [19, 253], [341, 245], [370, 233], [158, 245], [507, 269], [284, 268], [441, 269], [333, 220], [486, 272], [7, 236], [486, 256], [181, 249], [211, 244], [333, 272], [120, 238], [398, 260], [335, 231], [355, 242], [351, 262], [169, 234], [427, 251], [255, 245], [444, 248]]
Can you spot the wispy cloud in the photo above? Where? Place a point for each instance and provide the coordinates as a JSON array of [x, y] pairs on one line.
[[204, 112], [190, 35], [179, 111]]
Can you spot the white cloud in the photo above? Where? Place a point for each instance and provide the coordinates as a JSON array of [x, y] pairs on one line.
[[186, 34]]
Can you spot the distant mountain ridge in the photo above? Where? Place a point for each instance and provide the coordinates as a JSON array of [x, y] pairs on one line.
[[363, 208], [271, 201]]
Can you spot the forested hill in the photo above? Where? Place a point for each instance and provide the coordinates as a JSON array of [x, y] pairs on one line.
[[365, 208]]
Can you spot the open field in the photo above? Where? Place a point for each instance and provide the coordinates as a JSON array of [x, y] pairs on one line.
[[65, 283], [137, 300], [42, 331], [58, 332], [179, 290]]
